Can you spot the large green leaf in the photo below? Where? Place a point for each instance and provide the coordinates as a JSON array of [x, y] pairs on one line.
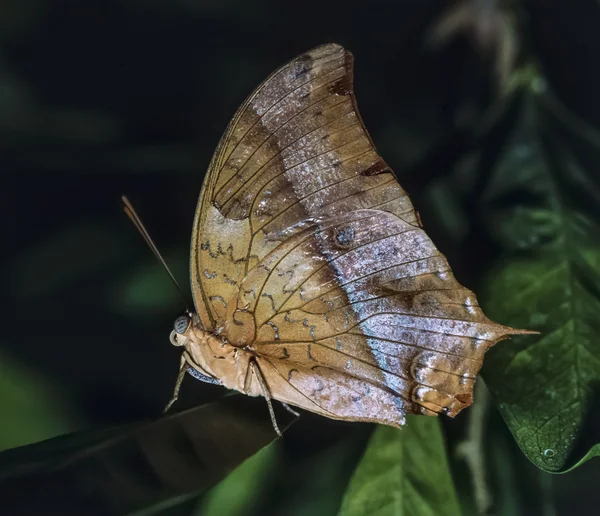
[[403, 472], [542, 203], [118, 471]]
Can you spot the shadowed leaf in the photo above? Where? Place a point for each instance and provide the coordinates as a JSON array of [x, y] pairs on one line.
[[123, 470]]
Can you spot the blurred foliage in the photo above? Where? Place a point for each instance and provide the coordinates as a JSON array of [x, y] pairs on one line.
[[29, 402], [487, 112], [551, 267]]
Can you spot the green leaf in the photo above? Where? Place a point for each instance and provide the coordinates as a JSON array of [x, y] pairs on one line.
[[403, 472], [594, 451], [119, 471], [238, 493], [542, 203]]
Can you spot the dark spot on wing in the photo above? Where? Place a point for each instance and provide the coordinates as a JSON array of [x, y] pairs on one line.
[[380, 167], [345, 236], [342, 87], [467, 399], [320, 386]]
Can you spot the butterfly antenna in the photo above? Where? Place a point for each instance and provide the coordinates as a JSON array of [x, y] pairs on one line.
[[131, 213]]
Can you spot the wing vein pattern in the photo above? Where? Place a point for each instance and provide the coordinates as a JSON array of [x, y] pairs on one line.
[[307, 252]]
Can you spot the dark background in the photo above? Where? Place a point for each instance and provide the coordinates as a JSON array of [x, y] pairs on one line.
[[100, 99]]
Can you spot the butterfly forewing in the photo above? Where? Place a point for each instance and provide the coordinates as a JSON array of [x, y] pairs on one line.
[[307, 251]]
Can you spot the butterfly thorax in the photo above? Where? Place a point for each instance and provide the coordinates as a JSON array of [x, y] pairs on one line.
[[213, 355]]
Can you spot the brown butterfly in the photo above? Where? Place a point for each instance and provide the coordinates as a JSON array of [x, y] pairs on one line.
[[313, 281]]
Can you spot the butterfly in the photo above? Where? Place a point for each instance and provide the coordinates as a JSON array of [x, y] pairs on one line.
[[313, 280]]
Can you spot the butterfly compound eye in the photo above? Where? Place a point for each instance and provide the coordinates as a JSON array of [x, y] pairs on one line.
[[182, 323]]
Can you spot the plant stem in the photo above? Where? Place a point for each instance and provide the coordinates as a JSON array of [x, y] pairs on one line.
[[471, 450]]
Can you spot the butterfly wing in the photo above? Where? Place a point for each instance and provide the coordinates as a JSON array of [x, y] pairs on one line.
[[306, 249], [297, 133]]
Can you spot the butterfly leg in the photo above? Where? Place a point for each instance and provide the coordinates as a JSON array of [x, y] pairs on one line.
[[290, 409], [265, 393], [182, 370]]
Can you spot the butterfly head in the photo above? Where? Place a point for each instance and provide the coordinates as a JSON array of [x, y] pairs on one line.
[[181, 327]]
